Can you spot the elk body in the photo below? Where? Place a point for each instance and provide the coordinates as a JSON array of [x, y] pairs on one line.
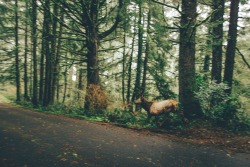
[[158, 108]]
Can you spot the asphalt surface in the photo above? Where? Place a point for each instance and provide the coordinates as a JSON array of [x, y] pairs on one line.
[[34, 139]]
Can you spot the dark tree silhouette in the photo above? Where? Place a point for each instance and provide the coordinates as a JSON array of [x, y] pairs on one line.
[[187, 83], [217, 32], [34, 50], [231, 44]]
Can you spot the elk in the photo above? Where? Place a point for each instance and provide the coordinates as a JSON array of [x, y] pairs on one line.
[[157, 108]]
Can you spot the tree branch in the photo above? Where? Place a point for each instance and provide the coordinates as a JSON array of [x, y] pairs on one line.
[[243, 58], [173, 7], [117, 20]]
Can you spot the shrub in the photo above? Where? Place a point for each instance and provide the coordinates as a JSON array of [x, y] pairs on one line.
[[121, 116], [216, 104], [96, 98]]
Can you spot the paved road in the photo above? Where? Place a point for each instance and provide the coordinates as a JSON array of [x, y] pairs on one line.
[[33, 139]]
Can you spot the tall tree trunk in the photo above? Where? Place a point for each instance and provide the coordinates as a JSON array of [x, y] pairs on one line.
[[137, 88], [65, 84], [130, 61], [93, 37], [187, 83], [208, 53], [145, 65], [80, 82], [34, 42], [92, 61], [124, 56], [92, 64], [25, 77], [92, 43], [217, 30], [58, 57], [54, 59], [231, 44], [48, 65], [18, 84], [41, 81]]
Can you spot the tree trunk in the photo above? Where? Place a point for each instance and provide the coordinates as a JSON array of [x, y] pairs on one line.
[[137, 88], [93, 37], [187, 83], [124, 56], [65, 84], [217, 30], [41, 81], [80, 82], [130, 75], [207, 58], [92, 66], [25, 77], [54, 58], [92, 43], [145, 65], [231, 44], [92, 61], [48, 64], [18, 84], [58, 57], [34, 42]]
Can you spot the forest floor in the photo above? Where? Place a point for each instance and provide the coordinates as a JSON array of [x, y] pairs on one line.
[[30, 138]]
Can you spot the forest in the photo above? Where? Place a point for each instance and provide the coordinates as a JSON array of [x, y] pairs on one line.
[[94, 58]]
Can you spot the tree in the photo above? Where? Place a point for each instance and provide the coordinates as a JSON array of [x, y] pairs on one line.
[[26, 94], [93, 20], [187, 82], [217, 32], [91, 11], [47, 98], [18, 84], [137, 86], [54, 49], [34, 50], [147, 53], [231, 44]]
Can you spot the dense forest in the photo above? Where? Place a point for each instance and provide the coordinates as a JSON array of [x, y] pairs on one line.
[[99, 56]]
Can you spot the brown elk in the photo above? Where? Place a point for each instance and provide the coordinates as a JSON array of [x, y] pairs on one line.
[[157, 108]]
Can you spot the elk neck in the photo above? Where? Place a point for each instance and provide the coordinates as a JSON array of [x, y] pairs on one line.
[[146, 105]]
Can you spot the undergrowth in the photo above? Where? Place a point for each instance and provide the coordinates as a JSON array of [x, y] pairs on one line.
[[220, 108], [139, 120]]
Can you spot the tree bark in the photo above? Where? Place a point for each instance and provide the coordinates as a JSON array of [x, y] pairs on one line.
[[130, 61], [34, 50], [137, 87], [187, 83], [54, 58], [80, 82], [48, 64], [58, 58], [93, 37], [231, 44], [145, 64], [25, 77], [18, 84], [41, 81], [217, 30]]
